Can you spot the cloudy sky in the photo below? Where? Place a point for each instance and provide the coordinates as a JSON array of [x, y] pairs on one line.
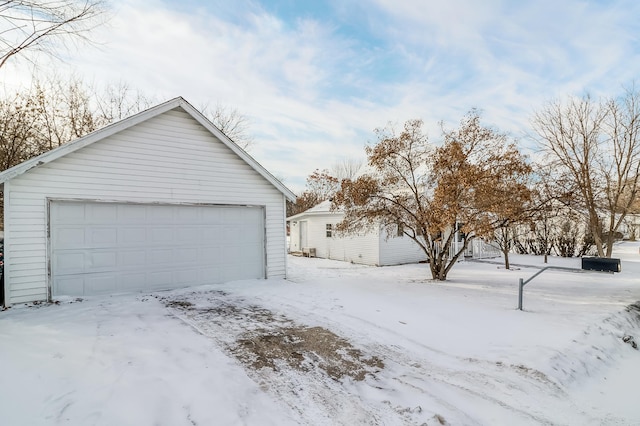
[[316, 77]]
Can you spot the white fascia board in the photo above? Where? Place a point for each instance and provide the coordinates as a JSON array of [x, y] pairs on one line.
[[84, 141], [204, 121], [305, 214]]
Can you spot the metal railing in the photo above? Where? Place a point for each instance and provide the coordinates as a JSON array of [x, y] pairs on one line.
[[522, 283]]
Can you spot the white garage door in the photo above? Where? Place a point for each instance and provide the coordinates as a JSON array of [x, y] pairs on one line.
[[102, 248]]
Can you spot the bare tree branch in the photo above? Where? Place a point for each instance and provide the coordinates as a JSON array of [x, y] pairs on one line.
[[45, 25], [230, 122], [594, 148]]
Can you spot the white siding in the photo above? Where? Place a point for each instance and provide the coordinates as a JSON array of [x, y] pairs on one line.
[[371, 248], [167, 159], [363, 249], [396, 250]]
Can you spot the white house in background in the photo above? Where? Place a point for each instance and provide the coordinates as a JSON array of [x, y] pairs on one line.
[[315, 229], [159, 200], [631, 226]]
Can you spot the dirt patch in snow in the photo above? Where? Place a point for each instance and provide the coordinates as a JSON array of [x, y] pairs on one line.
[[305, 349], [312, 369], [260, 338]]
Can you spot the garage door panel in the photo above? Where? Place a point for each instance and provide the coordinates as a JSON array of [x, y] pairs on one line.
[[253, 269], [100, 283], [162, 214], [160, 279], [70, 237], [135, 281], [212, 233], [102, 260], [210, 256], [105, 248], [186, 214], [102, 237], [210, 275], [132, 258], [68, 213], [210, 216], [70, 285], [188, 234], [161, 257], [231, 232], [187, 276], [132, 235], [101, 213], [130, 213], [251, 235], [186, 255], [232, 254], [236, 271], [69, 262], [251, 216], [161, 234]]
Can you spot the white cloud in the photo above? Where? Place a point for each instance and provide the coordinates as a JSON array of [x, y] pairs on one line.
[[315, 89]]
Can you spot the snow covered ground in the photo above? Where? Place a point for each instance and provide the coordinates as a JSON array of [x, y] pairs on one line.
[[336, 343]]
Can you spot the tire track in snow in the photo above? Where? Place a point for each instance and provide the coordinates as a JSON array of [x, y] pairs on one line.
[[314, 397], [416, 378], [522, 394]]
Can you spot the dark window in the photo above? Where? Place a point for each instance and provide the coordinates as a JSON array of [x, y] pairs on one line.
[[329, 229]]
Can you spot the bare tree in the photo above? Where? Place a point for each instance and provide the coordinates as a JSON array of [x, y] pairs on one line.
[[546, 208], [55, 111], [321, 186], [594, 150], [118, 101], [18, 130], [347, 168], [473, 183], [64, 111], [230, 122], [505, 238], [43, 26], [622, 169]]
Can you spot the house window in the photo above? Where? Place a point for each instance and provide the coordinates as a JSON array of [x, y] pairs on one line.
[[329, 229], [400, 232]]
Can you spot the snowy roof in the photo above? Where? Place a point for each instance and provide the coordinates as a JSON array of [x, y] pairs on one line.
[[323, 208]]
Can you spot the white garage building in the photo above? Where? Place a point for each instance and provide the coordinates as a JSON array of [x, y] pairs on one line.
[[159, 200]]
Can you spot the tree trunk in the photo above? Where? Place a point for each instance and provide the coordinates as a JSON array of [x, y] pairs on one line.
[[610, 240], [506, 259], [596, 231], [438, 270]]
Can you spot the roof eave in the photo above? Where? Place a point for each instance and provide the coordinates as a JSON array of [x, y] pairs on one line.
[[204, 121], [323, 213], [86, 140]]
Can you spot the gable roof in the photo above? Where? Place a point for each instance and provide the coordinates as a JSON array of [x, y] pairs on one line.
[[324, 208], [128, 122]]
